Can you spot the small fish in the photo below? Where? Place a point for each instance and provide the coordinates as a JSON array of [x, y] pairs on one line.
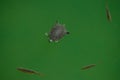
[[88, 66], [57, 32], [108, 14], [29, 71]]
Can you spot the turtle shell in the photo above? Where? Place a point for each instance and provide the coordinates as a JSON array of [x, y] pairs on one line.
[[57, 32]]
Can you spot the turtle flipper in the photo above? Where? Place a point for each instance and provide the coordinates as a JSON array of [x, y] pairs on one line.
[[46, 34], [50, 40], [64, 25], [56, 41]]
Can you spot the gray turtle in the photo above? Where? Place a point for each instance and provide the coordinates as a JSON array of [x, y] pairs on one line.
[[57, 32]]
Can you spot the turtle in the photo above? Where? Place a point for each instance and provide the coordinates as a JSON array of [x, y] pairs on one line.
[[57, 32]]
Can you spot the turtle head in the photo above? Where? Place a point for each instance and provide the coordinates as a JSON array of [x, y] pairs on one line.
[[67, 32]]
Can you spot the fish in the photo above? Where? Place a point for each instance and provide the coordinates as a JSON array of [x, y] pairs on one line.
[[108, 14], [57, 32], [28, 71], [88, 66]]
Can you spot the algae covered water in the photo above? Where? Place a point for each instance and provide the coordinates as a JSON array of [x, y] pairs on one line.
[[92, 39]]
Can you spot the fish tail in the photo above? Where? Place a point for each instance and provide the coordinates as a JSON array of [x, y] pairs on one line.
[[106, 4], [39, 74]]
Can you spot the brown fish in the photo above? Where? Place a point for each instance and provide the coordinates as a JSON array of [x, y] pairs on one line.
[[108, 14], [29, 71], [88, 66]]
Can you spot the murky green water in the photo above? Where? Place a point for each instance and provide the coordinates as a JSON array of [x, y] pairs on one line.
[[93, 40]]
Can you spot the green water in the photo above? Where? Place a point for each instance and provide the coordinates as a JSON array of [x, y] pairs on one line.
[[92, 39]]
